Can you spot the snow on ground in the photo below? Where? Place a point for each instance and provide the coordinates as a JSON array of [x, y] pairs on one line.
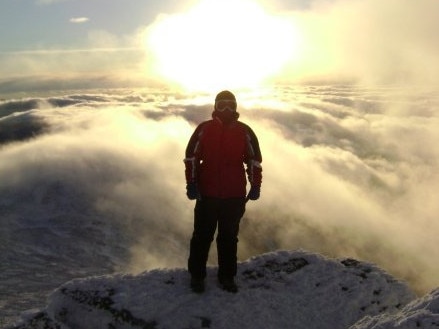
[[420, 313], [284, 289]]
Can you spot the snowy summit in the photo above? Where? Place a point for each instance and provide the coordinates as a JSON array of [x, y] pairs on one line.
[[284, 289]]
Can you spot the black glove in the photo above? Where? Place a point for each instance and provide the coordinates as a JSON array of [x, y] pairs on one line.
[[254, 193], [192, 191]]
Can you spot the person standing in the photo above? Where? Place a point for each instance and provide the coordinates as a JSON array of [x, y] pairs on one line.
[[216, 178]]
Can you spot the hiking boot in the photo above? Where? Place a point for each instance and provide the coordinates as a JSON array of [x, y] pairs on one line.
[[197, 285], [228, 284]]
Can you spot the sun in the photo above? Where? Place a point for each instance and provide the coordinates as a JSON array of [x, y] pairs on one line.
[[220, 43]]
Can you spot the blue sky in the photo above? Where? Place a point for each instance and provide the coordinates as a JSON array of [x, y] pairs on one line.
[[33, 24]]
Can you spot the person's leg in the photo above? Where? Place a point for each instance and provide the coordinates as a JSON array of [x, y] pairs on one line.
[[205, 222], [231, 213]]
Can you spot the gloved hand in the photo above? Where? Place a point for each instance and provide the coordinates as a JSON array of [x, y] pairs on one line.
[[254, 193], [192, 191]]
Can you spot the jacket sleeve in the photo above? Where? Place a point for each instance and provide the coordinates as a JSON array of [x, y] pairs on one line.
[[192, 159], [253, 159]]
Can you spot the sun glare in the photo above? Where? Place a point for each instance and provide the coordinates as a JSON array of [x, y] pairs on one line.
[[232, 43]]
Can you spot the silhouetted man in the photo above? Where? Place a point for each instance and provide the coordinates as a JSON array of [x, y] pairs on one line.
[[216, 178]]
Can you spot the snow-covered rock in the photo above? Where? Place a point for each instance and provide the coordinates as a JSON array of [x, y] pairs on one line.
[[421, 313], [284, 289]]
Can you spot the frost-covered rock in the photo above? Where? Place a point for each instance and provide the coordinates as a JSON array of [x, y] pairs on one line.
[[285, 289], [421, 313]]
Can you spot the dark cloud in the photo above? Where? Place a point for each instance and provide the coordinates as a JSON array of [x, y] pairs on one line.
[[20, 128]]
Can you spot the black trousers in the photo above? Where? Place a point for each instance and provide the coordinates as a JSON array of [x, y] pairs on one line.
[[209, 214]]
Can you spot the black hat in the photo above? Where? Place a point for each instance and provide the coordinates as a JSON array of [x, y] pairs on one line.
[[225, 95]]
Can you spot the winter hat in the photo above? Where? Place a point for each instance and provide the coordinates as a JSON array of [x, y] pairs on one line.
[[225, 95], [226, 117]]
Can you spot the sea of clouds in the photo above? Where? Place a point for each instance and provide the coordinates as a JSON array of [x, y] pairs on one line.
[[93, 182]]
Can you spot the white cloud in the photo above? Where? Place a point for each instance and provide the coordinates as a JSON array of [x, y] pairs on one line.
[[372, 41], [79, 20]]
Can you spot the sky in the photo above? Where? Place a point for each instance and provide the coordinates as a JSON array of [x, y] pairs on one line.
[[202, 45], [31, 24]]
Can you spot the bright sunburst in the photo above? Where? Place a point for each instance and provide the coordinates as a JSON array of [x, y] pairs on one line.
[[232, 43]]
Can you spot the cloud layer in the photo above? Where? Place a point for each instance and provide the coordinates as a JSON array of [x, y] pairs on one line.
[[369, 41], [348, 172]]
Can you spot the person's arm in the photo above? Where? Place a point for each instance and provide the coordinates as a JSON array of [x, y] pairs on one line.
[[254, 167], [191, 159], [191, 162]]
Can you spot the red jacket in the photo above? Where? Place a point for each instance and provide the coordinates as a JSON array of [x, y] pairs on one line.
[[215, 157]]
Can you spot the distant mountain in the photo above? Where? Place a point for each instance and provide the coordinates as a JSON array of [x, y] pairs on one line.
[[284, 289]]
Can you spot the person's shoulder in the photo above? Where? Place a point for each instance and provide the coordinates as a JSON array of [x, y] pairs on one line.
[[243, 125], [247, 130], [205, 123], [203, 126]]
